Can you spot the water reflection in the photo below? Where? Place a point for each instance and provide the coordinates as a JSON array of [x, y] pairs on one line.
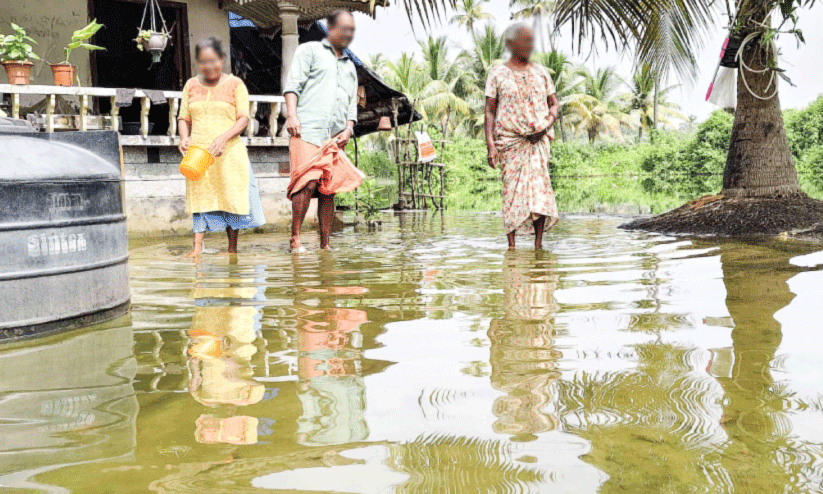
[[329, 347], [422, 359], [759, 431], [522, 357], [67, 401], [224, 330]]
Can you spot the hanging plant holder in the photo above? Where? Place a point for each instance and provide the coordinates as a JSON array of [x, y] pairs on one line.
[[152, 35]]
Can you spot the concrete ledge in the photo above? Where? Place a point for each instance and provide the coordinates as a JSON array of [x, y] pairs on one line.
[[156, 192]]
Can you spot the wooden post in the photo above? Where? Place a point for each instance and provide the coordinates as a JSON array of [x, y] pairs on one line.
[[145, 105], [274, 113], [84, 111], [443, 175], [115, 115], [252, 113], [50, 113], [174, 107], [15, 105], [401, 197]]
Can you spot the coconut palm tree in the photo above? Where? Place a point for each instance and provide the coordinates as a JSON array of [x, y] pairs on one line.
[[666, 34], [405, 75], [598, 108], [640, 99], [758, 166], [539, 11], [447, 85], [487, 50], [469, 13], [377, 62]]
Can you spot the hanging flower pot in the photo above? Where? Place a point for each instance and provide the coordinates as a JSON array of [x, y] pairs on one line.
[[152, 41], [18, 72], [150, 36], [63, 74]]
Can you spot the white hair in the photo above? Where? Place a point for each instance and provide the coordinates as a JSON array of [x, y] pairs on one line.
[[511, 32]]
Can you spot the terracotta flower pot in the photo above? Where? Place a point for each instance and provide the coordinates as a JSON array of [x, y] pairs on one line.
[[63, 74], [18, 72]]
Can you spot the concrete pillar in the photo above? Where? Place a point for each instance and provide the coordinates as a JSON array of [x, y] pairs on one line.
[[288, 17]]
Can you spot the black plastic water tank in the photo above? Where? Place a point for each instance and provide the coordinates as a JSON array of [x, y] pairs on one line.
[[63, 240]]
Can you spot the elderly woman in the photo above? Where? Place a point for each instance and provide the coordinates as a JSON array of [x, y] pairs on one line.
[[213, 113], [521, 108]]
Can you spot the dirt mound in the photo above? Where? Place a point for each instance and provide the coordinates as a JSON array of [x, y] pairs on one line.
[[718, 215]]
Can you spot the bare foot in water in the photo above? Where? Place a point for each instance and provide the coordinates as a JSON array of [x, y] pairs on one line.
[[195, 252], [197, 249], [295, 246]]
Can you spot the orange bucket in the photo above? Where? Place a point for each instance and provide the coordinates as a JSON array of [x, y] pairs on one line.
[[195, 163]]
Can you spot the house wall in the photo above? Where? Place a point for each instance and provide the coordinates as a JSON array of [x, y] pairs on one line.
[[156, 191], [52, 22]]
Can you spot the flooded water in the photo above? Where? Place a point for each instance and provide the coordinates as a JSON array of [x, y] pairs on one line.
[[423, 358]]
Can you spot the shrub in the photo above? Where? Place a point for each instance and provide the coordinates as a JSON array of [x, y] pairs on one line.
[[707, 151]]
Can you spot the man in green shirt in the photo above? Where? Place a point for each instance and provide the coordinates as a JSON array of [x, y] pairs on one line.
[[321, 103]]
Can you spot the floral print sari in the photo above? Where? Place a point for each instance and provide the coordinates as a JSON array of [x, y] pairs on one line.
[[522, 110]]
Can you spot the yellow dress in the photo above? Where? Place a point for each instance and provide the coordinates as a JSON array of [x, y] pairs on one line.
[[211, 111]]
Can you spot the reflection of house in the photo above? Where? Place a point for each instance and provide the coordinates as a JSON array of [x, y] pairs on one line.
[[155, 189]]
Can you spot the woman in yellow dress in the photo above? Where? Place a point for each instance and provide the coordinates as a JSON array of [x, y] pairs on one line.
[[213, 113]]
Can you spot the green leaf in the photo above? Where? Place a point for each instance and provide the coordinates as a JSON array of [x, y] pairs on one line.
[[785, 78], [91, 47]]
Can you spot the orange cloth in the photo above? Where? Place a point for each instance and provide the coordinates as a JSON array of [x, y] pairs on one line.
[[327, 164]]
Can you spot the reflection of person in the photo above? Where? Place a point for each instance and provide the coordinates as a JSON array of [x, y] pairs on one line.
[[321, 101], [329, 352], [331, 387], [221, 345], [521, 356], [521, 108], [215, 109]]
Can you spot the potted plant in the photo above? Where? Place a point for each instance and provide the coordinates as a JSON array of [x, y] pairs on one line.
[[154, 42], [16, 52], [64, 71]]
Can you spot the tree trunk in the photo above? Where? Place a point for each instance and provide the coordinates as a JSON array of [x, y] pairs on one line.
[[640, 134], [562, 127], [759, 163], [655, 103]]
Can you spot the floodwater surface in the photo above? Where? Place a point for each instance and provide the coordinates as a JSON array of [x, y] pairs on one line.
[[424, 358]]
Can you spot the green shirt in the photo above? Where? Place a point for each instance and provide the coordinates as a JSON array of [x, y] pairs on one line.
[[326, 89]]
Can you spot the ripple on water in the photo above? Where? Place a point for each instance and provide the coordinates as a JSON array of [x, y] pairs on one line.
[[423, 358]]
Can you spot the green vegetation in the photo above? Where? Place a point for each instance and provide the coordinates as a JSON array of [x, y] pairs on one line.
[[17, 47], [79, 40], [610, 176]]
